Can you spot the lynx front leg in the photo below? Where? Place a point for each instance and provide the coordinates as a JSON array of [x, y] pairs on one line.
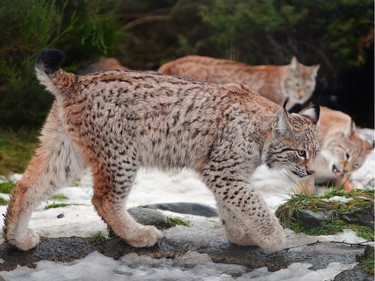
[[111, 188], [55, 163], [246, 216]]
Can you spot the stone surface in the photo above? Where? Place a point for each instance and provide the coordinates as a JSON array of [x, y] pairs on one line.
[[148, 216], [362, 216], [186, 208], [207, 238], [310, 219]]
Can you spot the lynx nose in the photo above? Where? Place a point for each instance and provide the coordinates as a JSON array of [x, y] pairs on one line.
[[309, 173]]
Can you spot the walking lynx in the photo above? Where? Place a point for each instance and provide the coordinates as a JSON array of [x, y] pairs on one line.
[[295, 80], [116, 121], [342, 150]]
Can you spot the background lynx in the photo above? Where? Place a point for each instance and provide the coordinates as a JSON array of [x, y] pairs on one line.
[[342, 150], [117, 121], [295, 80]]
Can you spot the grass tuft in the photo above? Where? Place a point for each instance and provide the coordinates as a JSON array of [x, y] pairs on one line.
[[97, 237], [56, 205], [59, 197], [359, 199], [3, 202], [7, 187]]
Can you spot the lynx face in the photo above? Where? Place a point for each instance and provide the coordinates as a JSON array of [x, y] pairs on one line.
[[293, 144], [345, 155], [299, 82]]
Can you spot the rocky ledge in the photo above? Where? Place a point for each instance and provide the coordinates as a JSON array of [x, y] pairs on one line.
[[197, 234]]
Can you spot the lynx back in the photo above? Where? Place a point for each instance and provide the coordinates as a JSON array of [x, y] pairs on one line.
[[296, 81]]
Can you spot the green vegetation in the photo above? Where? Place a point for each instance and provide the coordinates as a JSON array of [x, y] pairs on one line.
[[83, 29], [98, 237], [336, 211], [7, 187], [172, 221], [55, 205], [145, 34], [366, 263], [59, 197], [16, 150], [3, 202]]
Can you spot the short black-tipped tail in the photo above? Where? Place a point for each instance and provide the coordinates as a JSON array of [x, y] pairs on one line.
[[49, 60]]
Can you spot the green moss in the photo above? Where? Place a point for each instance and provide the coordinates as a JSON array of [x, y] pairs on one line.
[[59, 197], [362, 231], [3, 202], [55, 205], [7, 187], [366, 263], [98, 237], [171, 222], [359, 199]]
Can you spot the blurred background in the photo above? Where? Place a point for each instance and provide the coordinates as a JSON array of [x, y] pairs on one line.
[[142, 35]]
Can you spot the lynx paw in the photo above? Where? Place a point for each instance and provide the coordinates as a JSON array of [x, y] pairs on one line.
[[147, 236], [273, 241], [25, 241]]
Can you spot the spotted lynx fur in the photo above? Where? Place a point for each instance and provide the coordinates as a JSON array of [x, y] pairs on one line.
[[342, 151], [296, 81], [116, 121]]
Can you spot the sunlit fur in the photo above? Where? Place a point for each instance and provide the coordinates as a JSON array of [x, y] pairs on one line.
[[295, 80]]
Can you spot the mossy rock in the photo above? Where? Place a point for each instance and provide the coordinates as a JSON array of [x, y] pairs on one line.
[[320, 215]]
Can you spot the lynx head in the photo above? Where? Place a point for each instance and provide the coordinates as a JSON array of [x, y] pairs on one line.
[[346, 152], [299, 82], [294, 144]]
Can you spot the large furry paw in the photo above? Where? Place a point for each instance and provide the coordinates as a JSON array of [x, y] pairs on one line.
[[273, 241], [24, 241], [147, 236], [270, 238]]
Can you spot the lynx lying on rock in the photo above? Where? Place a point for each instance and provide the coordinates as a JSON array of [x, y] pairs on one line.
[[276, 83], [342, 150], [117, 121]]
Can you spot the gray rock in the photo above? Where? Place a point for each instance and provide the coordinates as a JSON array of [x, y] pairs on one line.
[[310, 219], [148, 216], [186, 208], [362, 216]]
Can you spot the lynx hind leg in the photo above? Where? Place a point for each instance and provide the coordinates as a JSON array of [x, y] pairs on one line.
[[110, 193], [55, 163], [246, 216]]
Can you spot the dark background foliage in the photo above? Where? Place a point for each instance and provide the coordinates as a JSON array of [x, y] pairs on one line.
[[338, 35]]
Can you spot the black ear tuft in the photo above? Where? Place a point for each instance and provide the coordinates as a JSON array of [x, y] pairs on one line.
[[49, 60], [313, 113], [285, 103]]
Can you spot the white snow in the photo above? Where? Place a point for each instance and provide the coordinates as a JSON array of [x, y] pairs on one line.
[[133, 267], [80, 219]]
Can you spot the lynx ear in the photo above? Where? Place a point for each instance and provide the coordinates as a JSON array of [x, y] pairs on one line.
[[281, 124], [312, 113], [293, 63], [315, 69], [350, 128]]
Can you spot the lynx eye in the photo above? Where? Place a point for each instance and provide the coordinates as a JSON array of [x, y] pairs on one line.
[[347, 155], [301, 153]]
